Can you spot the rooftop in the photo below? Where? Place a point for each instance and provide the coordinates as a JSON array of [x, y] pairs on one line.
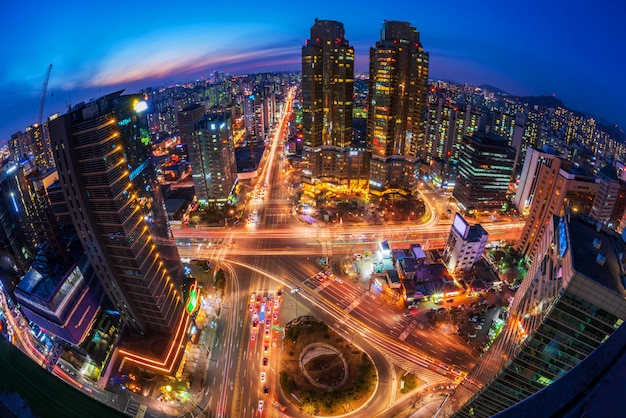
[[590, 243]]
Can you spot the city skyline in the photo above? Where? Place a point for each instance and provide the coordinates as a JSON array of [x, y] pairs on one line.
[[518, 50]]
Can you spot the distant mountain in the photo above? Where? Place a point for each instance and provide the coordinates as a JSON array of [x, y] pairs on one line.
[[541, 101], [614, 130], [553, 102], [494, 89]]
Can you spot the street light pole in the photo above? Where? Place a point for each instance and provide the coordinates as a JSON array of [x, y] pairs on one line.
[[295, 292]]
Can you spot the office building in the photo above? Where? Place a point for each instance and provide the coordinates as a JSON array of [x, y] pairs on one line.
[[570, 303], [96, 152], [485, 170], [327, 91], [397, 108], [57, 298], [465, 245]]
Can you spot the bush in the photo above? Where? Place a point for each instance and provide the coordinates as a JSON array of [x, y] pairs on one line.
[[287, 383], [410, 382], [220, 280]]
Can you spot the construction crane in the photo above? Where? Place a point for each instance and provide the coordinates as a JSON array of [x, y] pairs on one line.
[[43, 98]]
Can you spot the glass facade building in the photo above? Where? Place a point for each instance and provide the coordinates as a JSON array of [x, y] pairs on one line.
[[571, 301]]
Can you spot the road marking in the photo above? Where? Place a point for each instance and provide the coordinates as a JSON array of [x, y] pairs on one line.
[[408, 330]]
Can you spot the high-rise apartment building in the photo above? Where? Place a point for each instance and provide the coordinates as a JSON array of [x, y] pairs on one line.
[[397, 108], [93, 149], [558, 184], [327, 91], [32, 148], [485, 170], [529, 179], [209, 138], [253, 116], [569, 304], [608, 193]]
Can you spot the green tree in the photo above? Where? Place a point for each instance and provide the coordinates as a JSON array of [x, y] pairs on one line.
[[220, 280], [410, 382]]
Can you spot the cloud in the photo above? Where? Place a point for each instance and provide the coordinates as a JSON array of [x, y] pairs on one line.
[[179, 52]]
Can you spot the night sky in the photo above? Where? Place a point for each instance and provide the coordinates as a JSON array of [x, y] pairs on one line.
[[574, 50]]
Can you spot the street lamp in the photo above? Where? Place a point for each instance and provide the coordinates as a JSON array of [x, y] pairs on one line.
[[295, 292]]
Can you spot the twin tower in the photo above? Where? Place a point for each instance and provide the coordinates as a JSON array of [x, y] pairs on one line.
[[396, 111]]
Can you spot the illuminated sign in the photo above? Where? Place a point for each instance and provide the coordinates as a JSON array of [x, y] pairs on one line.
[[192, 303], [562, 238]]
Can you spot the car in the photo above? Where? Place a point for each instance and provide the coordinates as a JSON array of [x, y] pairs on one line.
[[411, 307], [264, 299], [263, 375], [279, 292], [280, 406], [472, 335], [252, 336], [255, 323], [322, 274], [267, 332], [444, 366], [260, 407], [479, 326], [320, 277], [265, 361], [266, 390], [266, 348], [255, 314], [456, 372], [251, 307], [275, 316], [357, 256], [450, 300], [276, 303], [253, 297], [268, 322], [338, 280], [472, 319], [328, 273]]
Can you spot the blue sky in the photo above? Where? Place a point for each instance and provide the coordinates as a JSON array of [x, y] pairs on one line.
[[576, 52]]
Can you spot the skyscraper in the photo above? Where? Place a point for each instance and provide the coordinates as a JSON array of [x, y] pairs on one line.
[[569, 304], [327, 91], [485, 169], [93, 149], [397, 108], [557, 184], [209, 138]]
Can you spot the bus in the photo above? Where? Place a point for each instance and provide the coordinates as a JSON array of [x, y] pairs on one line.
[[262, 313]]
